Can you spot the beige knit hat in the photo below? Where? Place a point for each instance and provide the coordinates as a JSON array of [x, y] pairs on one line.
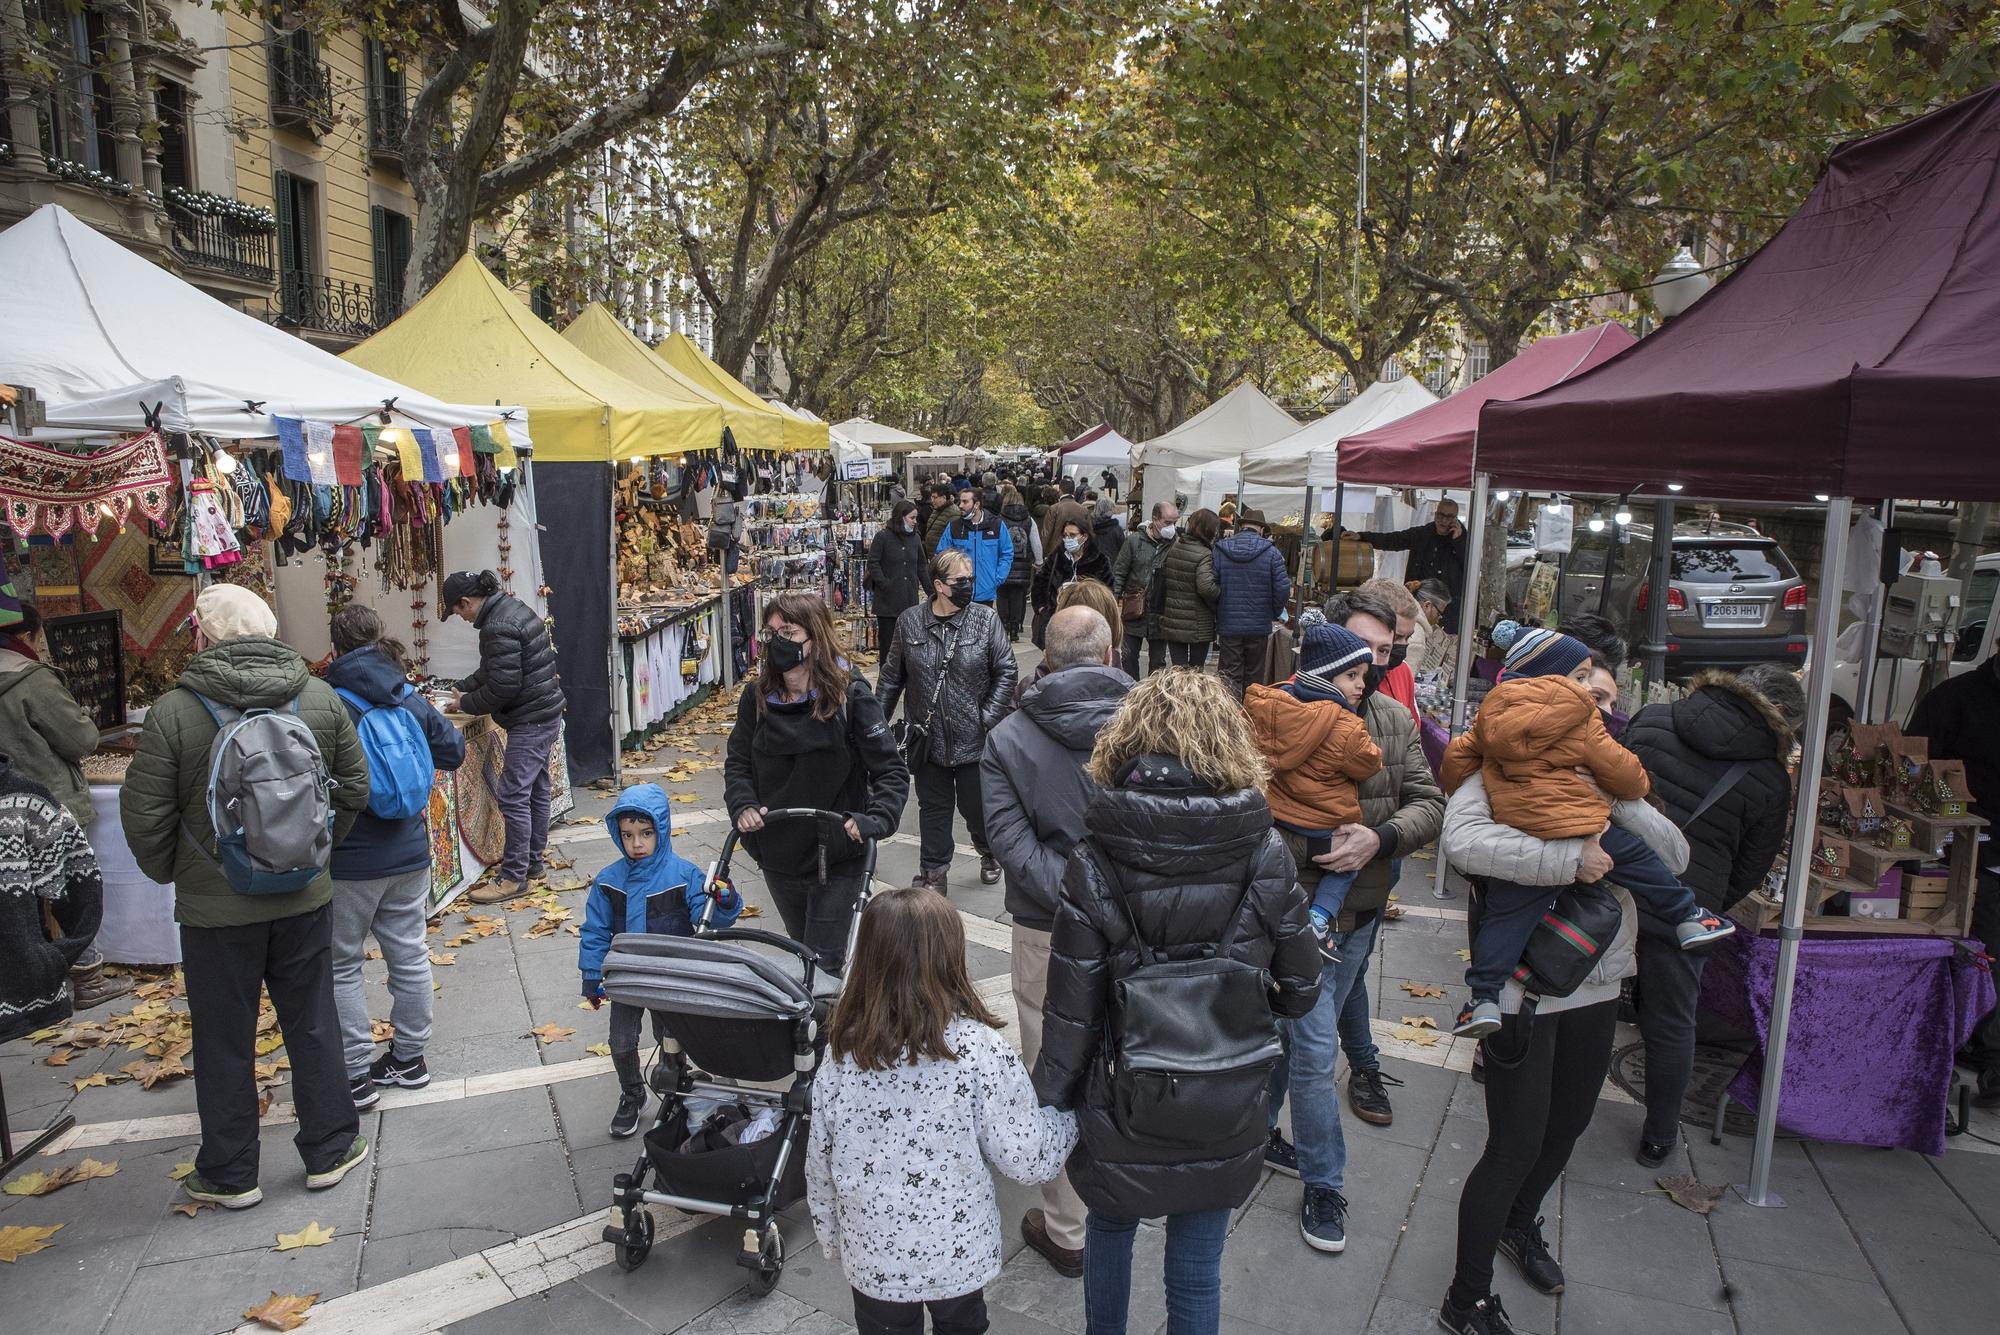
[[230, 612]]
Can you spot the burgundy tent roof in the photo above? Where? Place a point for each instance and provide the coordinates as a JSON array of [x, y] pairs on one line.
[[1857, 353], [1097, 432], [1432, 447]]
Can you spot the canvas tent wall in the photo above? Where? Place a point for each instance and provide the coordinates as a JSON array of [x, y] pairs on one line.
[[1243, 419], [880, 438], [1096, 450], [1307, 457], [598, 335], [796, 432], [103, 336]]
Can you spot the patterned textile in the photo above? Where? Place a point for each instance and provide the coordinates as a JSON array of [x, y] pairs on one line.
[[45, 864], [1875, 1023], [118, 575], [53, 491], [479, 818], [445, 865]]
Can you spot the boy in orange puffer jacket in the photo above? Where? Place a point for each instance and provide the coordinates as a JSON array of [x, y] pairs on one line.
[[1551, 770], [1310, 731]]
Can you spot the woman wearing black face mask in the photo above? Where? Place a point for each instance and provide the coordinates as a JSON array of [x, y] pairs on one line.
[[896, 565], [953, 669], [810, 734]]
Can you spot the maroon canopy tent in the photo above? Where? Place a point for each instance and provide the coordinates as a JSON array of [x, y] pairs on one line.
[[1432, 447], [1856, 354], [1098, 432]]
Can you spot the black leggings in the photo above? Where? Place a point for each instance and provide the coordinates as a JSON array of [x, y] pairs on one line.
[[1188, 655], [1536, 1108]]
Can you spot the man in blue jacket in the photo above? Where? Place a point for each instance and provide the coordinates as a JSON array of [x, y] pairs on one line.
[[985, 539], [649, 889], [382, 869], [1255, 588]]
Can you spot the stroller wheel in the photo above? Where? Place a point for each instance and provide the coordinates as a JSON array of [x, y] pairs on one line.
[[770, 1262], [638, 1240]]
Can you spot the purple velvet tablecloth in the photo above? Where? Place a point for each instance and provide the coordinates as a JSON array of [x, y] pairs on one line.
[[1875, 1021]]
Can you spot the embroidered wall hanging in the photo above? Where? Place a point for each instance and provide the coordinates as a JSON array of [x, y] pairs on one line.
[[53, 491]]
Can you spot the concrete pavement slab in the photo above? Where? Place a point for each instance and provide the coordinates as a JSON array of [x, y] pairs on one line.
[[682, 1278], [1809, 1234], [444, 1130], [387, 1258], [1588, 1310], [563, 1310], [519, 1189], [211, 1293], [1320, 1295], [1644, 1244], [1779, 1300]]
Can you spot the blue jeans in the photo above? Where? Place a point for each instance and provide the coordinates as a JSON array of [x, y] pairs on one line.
[[1194, 1272], [1312, 1051], [1357, 1036]]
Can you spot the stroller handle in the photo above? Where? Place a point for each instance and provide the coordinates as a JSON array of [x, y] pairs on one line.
[[720, 868]]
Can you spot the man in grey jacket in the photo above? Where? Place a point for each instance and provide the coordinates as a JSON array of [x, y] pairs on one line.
[[1035, 791]]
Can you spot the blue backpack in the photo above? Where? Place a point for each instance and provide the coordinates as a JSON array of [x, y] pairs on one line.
[[400, 773]]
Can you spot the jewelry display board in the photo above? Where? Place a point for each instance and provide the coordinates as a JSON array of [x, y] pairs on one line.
[[89, 650]]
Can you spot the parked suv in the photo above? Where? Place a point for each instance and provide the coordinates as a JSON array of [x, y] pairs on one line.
[[1733, 598]]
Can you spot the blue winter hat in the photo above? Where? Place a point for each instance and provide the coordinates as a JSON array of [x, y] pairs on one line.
[[1327, 650], [1534, 651]]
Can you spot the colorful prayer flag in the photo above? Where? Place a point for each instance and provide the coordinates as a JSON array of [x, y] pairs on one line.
[[350, 454], [292, 441], [319, 454]]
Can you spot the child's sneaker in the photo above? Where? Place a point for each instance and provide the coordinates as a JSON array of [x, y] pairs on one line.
[[1477, 1020], [1702, 929], [626, 1120], [1324, 933]]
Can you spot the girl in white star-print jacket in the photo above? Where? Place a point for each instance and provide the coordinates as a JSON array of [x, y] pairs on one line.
[[920, 1092]]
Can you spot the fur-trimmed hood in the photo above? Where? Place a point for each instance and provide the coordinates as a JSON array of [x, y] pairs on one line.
[[1723, 718]]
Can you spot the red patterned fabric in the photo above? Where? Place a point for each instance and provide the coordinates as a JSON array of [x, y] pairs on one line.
[[53, 491]]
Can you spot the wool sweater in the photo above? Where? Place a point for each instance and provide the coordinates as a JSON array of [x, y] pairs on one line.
[[45, 862]]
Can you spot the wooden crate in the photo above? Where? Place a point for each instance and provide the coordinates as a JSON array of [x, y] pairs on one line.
[[1757, 912]]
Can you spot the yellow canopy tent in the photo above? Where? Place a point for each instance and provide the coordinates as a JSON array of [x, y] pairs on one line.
[[800, 433], [470, 340], [599, 335]]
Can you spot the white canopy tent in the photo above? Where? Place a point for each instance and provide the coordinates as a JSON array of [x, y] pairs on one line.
[[879, 438], [1306, 457], [105, 336], [1105, 448], [1243, 419], [843, 447]]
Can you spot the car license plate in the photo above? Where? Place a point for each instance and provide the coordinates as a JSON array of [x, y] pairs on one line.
[[1717, 613]]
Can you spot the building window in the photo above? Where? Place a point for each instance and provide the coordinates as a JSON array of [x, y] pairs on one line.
[[760, 368], [170, 109], [75, 115], [392, 259], [541, 303], [388, 103], [1478, 361], [1392, 370], [298, 242]]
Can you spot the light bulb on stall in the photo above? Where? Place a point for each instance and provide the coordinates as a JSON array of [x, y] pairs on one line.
[[1503, 495], [1673, 486], [1623, 516], [225, 462], [1596, 524]]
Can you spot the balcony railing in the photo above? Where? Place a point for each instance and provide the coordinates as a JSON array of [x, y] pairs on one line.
[[220, 246], [388, 118], [329, 306], [301, 90]]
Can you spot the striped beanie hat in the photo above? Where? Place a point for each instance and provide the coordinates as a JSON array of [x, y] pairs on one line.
[[1534, 651]]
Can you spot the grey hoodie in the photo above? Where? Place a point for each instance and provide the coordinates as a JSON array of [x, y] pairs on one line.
[[1034, 787]]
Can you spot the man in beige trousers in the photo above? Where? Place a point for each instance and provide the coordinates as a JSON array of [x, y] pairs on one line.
[[1035, 792]]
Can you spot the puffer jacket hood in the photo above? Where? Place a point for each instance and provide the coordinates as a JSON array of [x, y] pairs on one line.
[[1726, 720], [1185, 858], [1243, 548], [1318, 751], [369, 673], [1531, 737], [251, 673], [1073, 705], [1254, 585], [648, 800]]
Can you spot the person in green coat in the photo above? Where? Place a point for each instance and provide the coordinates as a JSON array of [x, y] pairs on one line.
[[1187, 618], [232, 944]]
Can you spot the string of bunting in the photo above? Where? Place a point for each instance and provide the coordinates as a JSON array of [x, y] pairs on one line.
[[327, 455]]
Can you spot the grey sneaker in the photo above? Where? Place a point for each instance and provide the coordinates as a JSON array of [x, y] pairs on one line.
[[200, 1188], [364, 1093], [1699, 931], [349, 1161], [1477, 1020]]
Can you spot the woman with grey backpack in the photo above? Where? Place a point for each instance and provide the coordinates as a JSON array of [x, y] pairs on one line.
[[1180, 901]]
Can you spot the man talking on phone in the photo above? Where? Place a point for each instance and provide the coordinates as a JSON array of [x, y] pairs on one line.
[[1437, 551]]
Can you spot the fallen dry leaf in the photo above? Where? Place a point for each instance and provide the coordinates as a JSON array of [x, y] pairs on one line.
[[179, 1171], [599, 1049], [551, 1033], [60, 1057], [381, 1030], [149, 1074], [1423, 1038], [1463, 954], [98, 1081], [91, 1168], [1690, 1193], [48, 1035], [751, 911], [312, 1235], [34, 1184], [1420, 1022], [18, 1240], [372, 953], [443, 960], [282, 1312], [269, 1043], [684, 797], [1423, 989], [572, 929], [192, 1208]]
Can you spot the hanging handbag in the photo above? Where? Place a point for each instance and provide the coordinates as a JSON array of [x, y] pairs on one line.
[[911, 734]]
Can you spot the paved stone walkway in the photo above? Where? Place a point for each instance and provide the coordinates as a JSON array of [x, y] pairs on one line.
[[480, 1209]]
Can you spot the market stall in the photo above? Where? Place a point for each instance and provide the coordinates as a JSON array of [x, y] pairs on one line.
[[472, 338], [1851, 356], [797, 431], [1242, 420]]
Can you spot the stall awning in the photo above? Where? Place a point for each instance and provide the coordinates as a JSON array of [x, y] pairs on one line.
[[471, 338], [1308, 456], [1432, 447], [1856, 354], [599, 336], [105, 336], [798, 432], [1099, 447], [1244, 419], [879, 438]]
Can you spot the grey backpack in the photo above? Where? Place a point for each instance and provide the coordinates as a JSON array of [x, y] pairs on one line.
[[270, 799]]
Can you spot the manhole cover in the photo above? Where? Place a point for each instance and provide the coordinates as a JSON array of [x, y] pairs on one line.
[[1714, 1068]]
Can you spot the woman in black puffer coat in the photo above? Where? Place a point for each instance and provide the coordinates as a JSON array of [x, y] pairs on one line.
[[1689, 747], [1182, 825]]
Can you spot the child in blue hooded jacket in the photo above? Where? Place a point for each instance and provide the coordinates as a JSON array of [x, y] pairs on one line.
[[650, 889]]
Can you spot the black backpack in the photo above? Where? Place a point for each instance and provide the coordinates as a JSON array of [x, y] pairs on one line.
[[1190, 1043]]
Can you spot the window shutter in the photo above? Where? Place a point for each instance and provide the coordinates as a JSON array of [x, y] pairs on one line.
[[378, 225], [288, 223]]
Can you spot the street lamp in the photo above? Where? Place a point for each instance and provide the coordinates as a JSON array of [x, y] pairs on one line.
[[1680, 284]]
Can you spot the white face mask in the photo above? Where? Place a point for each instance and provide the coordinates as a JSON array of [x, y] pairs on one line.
[[1072, 545], [1167, 532]]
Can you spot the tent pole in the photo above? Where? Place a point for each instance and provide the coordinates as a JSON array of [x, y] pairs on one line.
[[1468, 624], [1659, 574], [1798, 869], [1871, 630]]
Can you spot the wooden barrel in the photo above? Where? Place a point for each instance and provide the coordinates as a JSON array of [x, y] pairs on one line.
[[1357, 563]]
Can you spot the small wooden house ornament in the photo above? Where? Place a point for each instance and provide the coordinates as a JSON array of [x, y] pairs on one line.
[[1909, 755], [1861, 813], [1832, 801], [1894, 834], [1832, 857], [1941, 790]]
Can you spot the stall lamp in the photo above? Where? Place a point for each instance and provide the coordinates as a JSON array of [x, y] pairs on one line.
[[392, 437], [1673, 486], [1596, 524], [1553, 507], [1623, 516], [1503, 495], [1821, 497], [225, 462]]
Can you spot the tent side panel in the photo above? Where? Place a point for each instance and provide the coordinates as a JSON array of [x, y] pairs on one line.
[[574, 500]]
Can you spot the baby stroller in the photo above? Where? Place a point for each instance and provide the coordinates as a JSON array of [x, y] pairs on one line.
[[736, 1017]]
